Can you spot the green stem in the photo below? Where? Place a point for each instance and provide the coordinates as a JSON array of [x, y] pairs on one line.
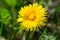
[[1, 26], [13, 22], [1, 29], [40, 38], [31, 35]]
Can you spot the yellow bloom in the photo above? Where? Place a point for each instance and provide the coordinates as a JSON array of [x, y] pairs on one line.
[[32, 17]]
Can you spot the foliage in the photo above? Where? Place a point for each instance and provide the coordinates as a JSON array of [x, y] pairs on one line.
[[11, 30]]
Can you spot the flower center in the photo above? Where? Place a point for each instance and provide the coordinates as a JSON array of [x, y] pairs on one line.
[[31, 17]]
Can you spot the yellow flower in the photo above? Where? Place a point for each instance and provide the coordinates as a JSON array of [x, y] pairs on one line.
[[32, 17]]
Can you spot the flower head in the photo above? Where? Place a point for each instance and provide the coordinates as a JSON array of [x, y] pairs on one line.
[[32, 17]]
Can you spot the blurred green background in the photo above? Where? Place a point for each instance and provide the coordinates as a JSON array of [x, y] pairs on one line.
[[11, 30]]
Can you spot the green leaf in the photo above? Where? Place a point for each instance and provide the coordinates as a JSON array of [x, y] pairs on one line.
[[5, 16], [57, 13], [21, 29], [11, 3], [58, 7], [41, 2]]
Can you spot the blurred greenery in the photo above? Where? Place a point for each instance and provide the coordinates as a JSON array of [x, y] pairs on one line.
[[11, 30], [5, 16]]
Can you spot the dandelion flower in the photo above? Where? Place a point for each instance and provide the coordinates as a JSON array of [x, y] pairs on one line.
[[32, 17]]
